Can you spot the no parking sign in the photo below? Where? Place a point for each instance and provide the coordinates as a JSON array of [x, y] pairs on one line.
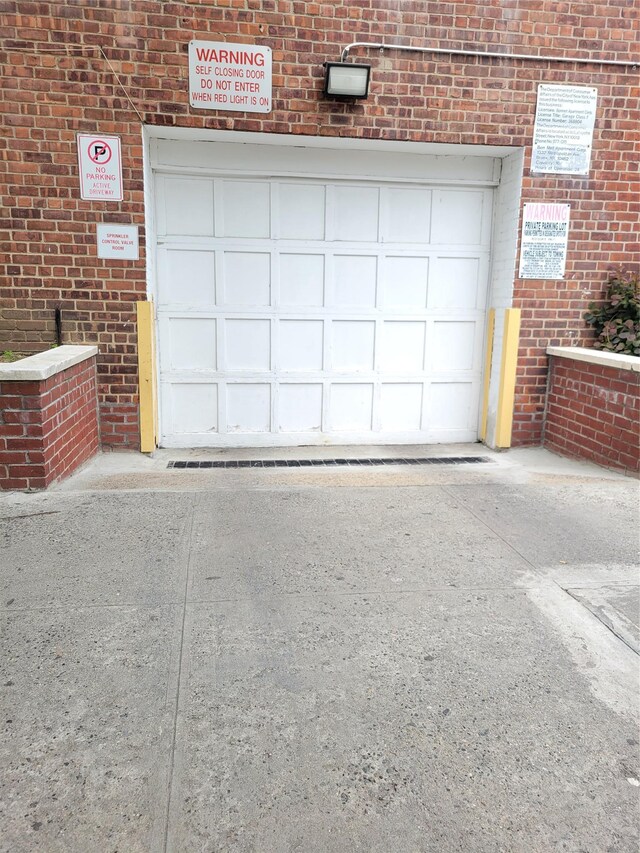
[[100, 164]]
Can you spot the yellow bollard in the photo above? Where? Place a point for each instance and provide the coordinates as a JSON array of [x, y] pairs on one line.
[[147, 378], [508, 367]]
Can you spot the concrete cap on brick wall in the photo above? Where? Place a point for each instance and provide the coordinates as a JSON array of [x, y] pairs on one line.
[[46, 364], [596, 356]]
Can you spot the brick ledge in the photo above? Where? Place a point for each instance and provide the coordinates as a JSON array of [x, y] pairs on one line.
[[595, 356], [45, 364]]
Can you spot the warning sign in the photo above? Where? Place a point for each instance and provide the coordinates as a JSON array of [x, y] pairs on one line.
[[117, 241], [545, 232], [230, 77], [100, 167]]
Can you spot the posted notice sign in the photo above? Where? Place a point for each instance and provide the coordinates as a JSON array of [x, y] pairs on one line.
[[100, 164], [545, 232], [229, 77], [563, 130], [117, 241]]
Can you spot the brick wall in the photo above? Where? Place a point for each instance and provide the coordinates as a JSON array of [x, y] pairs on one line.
[[57, 82], [593, 412], [48, 427]]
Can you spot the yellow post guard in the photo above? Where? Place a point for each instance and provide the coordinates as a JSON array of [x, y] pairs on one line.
[[147, 378], [506, 395]]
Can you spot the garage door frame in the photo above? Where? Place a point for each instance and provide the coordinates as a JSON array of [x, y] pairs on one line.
[[446, 156]]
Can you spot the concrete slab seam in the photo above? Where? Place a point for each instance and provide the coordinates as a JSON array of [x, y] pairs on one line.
[[602, 621], [179, 675], [535, 569]]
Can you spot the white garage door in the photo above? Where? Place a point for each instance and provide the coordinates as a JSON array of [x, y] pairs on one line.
[[305, 311]]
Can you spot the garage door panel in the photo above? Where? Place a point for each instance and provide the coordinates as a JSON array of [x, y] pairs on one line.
[[452, 405], [351, 407], [456, 283], [452, 345], [301, 212], [192, 408], [191, 344], [458, 217], [403, 343], [406, 215], [405, 282], [185, 207], [301, 280], [354, 280], [300, 407], [186, 277], [301, 345], [355, 214], [246, 279], [247, 345], [246, 209], [401, 406], [248, 407], [352, 346]]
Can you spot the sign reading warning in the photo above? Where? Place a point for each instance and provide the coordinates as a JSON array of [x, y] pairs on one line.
[[230, 77], [100, 164], [545, 232]]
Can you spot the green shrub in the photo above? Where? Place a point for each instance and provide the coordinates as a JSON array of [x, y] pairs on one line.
[[617, 321]]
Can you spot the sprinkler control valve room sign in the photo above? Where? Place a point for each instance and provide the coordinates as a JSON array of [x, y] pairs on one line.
[[233, 77]]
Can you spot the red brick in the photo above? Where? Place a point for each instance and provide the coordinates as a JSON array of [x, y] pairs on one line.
[[608, 434], [49, 441], [426, 99]]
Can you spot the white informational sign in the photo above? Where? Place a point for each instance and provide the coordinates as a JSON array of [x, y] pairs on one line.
[[230, 76], [117, 241], [100, 164], [543, 249], [563, 131]]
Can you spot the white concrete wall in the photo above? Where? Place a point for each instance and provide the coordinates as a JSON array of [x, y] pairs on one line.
[[503, 267]]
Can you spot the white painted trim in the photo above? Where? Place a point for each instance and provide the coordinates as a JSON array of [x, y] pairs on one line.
[[314, 439], [504, 241], [594, 356], [151, 257], [45, 364], [149, 214], [246, 161], [320, 177], [445, 149]]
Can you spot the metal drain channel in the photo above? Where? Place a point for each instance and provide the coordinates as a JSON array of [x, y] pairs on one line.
[[319, 463]]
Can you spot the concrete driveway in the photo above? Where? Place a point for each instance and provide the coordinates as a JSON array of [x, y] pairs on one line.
[[392, 658]]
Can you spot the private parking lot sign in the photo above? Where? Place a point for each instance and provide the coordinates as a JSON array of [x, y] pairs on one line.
[[100, 165]]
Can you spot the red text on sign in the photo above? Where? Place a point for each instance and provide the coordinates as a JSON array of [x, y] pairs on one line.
[[233, 57]]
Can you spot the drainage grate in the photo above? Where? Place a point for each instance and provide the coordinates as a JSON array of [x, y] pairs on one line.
[[319, 463]]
